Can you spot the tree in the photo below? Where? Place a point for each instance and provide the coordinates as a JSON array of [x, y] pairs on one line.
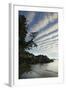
[[23, 45]]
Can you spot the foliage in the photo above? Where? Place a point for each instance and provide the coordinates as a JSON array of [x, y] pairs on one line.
[[22, 35], [23, 45]]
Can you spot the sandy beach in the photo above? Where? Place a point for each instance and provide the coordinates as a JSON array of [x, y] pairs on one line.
[[45, 70]]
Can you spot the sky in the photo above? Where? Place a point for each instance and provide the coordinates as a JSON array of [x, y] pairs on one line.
[[46, 26]]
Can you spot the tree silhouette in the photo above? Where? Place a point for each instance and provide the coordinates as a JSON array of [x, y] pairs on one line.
[[23, 45]]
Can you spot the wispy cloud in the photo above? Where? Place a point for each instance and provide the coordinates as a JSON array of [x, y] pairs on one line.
[[46, 32], [30, 17], [48, 41], [49, 38], [50, 17]]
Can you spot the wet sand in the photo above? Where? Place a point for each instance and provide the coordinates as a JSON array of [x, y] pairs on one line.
[[42, 71]]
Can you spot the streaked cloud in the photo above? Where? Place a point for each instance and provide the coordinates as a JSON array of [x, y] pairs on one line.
[[44, 22], [49, 38], [48, 41], [49, 30]]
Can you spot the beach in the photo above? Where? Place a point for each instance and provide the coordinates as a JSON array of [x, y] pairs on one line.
[[42, 70]]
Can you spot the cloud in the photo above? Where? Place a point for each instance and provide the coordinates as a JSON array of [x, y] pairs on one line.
[[49, 38], [30, 17], [50, 17], [48, 41], [46, 32]]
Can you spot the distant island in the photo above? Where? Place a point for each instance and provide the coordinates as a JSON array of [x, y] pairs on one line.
[[29, 58]]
